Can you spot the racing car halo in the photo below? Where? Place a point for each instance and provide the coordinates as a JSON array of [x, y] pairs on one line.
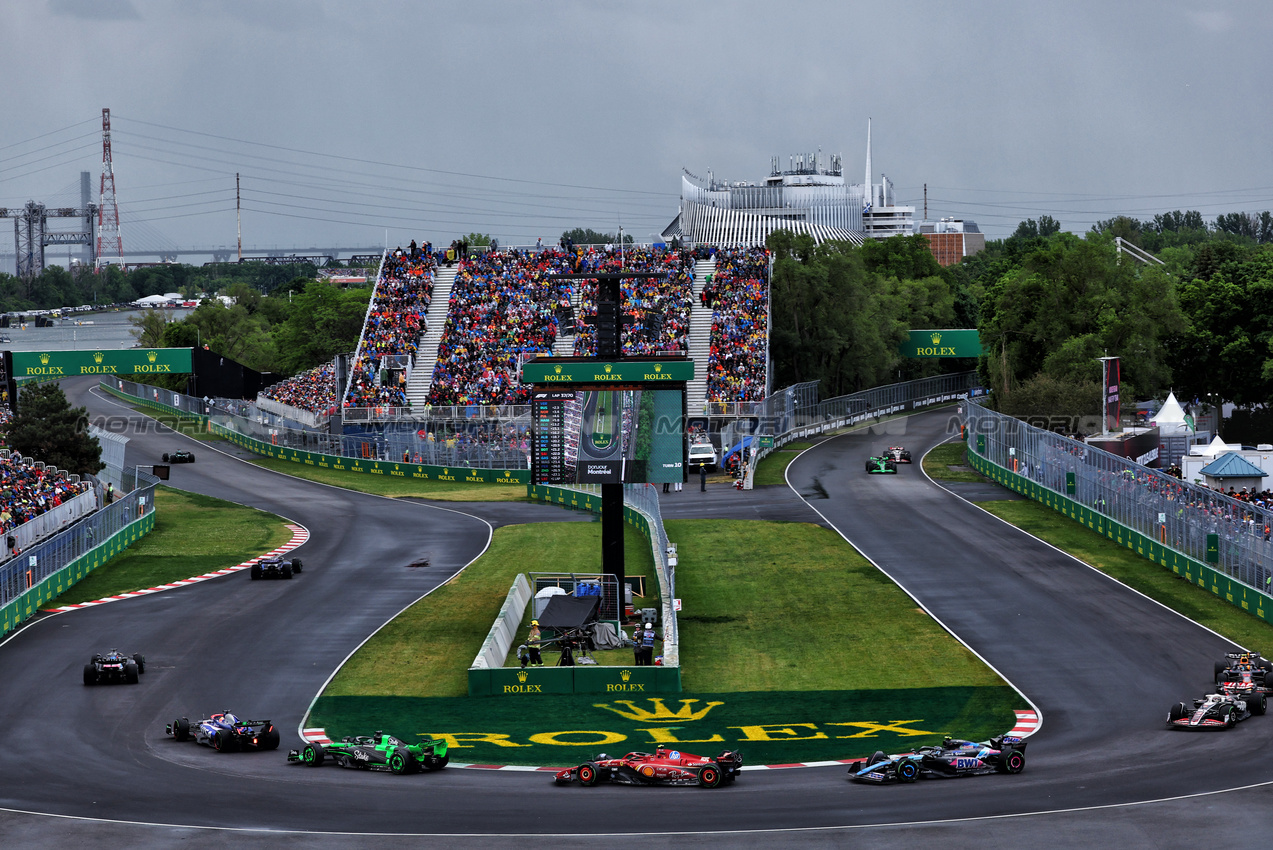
[[662, 767], [1217, 711], [955, 757], [225, 733]]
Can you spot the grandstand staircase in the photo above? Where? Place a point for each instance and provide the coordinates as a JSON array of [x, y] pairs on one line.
[[427, 349], [700, 340]]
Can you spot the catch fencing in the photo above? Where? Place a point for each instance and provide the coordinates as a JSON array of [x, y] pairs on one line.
[[795, 413], [1212, 530], [50, 566]]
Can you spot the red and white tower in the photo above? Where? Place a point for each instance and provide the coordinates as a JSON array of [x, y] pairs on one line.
[[110, 248]]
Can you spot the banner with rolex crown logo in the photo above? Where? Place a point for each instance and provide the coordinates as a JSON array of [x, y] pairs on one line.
[[948, 342], [104, 361]]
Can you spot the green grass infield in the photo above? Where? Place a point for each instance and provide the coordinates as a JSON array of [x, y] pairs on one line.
[[442, 491], [775, 727], [193, 535]]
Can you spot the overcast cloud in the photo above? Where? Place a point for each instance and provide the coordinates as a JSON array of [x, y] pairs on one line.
[[523, 119]]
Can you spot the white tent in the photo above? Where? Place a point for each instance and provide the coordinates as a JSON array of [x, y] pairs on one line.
[[151, 301], [1170, 418], [1214, 448]]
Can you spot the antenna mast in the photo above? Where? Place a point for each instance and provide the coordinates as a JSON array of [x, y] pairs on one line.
[[109, 244]]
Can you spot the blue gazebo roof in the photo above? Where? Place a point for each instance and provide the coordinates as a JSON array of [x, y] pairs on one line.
[[1232, 465]]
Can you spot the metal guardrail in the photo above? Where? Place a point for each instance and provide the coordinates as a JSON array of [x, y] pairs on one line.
[[46, 557], [1161, 507]]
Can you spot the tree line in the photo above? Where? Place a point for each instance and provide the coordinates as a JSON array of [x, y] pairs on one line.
[[1047, 305]]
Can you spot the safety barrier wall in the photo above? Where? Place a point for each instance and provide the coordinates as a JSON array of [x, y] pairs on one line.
[[504, 629], [1211, 540], [359, 453], [49, 568]]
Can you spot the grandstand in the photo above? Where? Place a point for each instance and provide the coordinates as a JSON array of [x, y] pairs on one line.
[[439, 340]]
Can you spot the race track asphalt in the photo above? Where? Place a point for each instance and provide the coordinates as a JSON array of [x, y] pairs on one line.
[[1101, 662]]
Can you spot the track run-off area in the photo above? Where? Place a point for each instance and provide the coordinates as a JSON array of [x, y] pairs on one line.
[[1100, 662]]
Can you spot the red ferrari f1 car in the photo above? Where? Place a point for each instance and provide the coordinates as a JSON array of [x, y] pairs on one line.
[[663, 767]]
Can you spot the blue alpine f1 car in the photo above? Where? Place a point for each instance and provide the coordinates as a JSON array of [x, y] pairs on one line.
[[955, 757], [225, 733]]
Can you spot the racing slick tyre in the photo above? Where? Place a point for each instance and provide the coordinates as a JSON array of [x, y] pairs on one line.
[[269, 741], [192, 458], [1013, 762], [223, 741], [296, 565], [709, 776], [90, 674], [878, 757], [141, 662], [907, 770], [1178, 712], [181, 729], [400, 761], [1221, 666], [287, 571], [1257, 703], [587, 774], [1228, 717], [312, 755], [165, 457], [256, 572], [130, 672]]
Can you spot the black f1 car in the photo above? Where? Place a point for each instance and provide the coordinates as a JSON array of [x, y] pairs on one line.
[[225, 733], [897, 454], [663, 767], [376, 752], [276, 567], [179, 457], [882, 464], [1216, 711], [114, 666], [1245, 667], [955, 757]]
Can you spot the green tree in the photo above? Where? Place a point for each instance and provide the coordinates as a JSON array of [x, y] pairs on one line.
[[149, 327], [480, 240], [48, 429], [588, 236]]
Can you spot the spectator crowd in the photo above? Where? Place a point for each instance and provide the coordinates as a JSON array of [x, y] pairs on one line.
[[394, 323], [738, 295], [656, 311], [26, 492], [313, 390], [504, 308]]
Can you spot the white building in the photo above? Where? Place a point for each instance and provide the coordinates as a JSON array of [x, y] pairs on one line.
[[810, 196]]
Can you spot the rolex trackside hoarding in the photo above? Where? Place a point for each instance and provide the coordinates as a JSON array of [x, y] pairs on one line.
[[950, 342], [387, 468], [128, 361], [588, 371]]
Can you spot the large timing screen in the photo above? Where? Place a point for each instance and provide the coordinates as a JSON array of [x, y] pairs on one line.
[[608, 436]]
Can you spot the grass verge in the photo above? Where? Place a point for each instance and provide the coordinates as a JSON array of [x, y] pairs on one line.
[[949, 462], [773, 468], [442, 491], [193, 535], [1141, 574], [426, 650], [792, 607]]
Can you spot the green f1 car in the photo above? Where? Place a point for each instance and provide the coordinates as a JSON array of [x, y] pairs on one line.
[[881, 465], [378, 752]]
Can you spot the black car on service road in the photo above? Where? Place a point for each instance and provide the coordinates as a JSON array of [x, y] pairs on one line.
[[178, 457], [114, 666]]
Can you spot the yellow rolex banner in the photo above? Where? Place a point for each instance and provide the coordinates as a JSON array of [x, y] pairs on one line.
[[128, 361]]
